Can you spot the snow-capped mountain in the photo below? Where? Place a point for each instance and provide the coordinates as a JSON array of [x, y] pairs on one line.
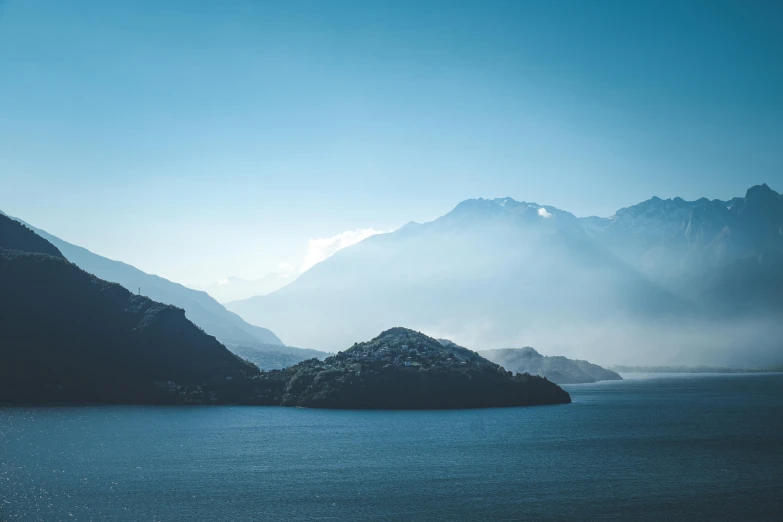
[[485, 273], [653, 278]]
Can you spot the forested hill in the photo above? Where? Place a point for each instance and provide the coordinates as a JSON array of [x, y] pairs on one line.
[[66, 335], [404, 369], [16, 236]]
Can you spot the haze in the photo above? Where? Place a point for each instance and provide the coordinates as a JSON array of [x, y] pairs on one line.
[[201, 141], [329, 171]]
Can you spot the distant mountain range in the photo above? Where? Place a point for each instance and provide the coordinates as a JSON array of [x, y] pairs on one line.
[[260, 345], [557, 369], [663, 282], [724, 255]]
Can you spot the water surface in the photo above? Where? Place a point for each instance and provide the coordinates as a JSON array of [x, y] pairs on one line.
[[682, 447]]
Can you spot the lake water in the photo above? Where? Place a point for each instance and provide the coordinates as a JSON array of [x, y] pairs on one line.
[[682, 447]]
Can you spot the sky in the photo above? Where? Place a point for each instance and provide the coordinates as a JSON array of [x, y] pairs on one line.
[[199, 140]]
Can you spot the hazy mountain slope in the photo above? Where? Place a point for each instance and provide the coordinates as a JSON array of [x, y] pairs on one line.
[[230, 329], [199, 306], [560, 370], [726, 255], [236, 288], [485, 274], [275, 357], [68, 335]]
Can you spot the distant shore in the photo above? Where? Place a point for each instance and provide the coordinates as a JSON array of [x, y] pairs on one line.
[[692, 369]]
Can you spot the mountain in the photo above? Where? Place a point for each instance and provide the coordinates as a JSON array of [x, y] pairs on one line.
[[485, 274], [66, 335], [236, 288], [199, 306], [557, 369], [203, 310], [403, 369], [662, 282], [726, 256]]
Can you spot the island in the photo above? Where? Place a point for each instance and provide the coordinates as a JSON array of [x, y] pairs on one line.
[[404, 369], [555, 368]]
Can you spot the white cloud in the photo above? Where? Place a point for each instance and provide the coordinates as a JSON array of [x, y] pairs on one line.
[[543, 213], [322, 248], [319, 249]]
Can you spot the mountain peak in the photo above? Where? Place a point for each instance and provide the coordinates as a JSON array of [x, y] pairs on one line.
[[505, 207], [762, 196], [402, 344], [399, 335], [506, 202], [761, 191], [530, 351], [765, 207], [474, 204]]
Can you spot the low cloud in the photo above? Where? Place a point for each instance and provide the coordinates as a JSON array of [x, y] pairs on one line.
[[323, 248], [543, 213]]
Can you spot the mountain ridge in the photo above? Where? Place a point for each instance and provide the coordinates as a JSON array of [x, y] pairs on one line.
[[205, 311], [67, 335], [499, 272], [557, 369], [690, 246]]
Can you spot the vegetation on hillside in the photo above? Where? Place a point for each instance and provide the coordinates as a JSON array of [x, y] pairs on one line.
[[403, 369]]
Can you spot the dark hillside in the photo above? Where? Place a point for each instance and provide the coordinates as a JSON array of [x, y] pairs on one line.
[[403, 369], [67, 335], [16, 236]]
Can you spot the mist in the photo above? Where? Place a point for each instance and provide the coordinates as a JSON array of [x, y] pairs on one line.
[[742, 343], [501, 273]]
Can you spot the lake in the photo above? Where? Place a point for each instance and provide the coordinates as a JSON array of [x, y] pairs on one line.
[[677, 447]]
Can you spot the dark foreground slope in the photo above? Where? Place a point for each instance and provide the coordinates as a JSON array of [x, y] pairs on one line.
[[259, 345], [403, 369], [16, 236], [557, 369], [66, 335], [199, 307]]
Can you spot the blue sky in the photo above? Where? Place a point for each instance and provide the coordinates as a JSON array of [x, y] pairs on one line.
[[198, 140]]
